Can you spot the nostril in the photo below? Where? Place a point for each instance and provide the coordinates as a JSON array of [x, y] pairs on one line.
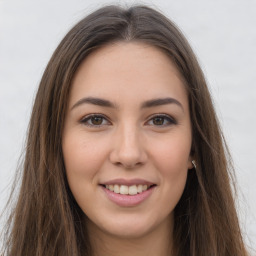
[[127, 165]]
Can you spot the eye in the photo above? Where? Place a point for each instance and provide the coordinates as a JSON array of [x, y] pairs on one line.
[[95, 120], [161, 120]]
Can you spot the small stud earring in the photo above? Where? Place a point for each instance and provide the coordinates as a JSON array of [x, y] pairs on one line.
[[194, 163]]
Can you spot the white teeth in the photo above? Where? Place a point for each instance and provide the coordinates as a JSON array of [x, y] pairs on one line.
[[133, 190], [139, 188], [116, 189], [124, 190], [127, 190]]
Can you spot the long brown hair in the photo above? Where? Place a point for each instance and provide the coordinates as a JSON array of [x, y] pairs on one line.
[[47, 220]]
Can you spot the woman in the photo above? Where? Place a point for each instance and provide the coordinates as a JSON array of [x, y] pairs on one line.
[[124, 153]]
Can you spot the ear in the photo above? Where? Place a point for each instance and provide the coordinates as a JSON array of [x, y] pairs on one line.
[[191, 159], [190, 165]]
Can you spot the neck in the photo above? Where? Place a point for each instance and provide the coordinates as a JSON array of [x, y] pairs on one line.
[[156, 242]]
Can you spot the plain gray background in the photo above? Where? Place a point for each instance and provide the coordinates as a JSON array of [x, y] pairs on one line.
[[221, 32]]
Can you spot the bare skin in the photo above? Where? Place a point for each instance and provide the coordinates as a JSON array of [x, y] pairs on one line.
[[155, 242], [128, 119]]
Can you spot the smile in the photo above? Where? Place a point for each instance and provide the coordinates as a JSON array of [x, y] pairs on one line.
[[127, 190], [128, 194]]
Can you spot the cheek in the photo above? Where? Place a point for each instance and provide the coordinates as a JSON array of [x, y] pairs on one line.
[[173, 155], [81, 154], [172, 162], [83, 158]]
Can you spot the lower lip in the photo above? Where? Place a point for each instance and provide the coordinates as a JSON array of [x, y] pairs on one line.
[[128, 200]]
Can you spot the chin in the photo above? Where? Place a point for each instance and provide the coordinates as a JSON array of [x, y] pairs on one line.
[[129, 233], [129, 227]]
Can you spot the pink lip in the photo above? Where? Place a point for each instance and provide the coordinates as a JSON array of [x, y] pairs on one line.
[[127, 200], [128, 182]]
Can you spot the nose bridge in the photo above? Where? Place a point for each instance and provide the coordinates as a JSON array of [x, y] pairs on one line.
[[129, 138], [128, 147]]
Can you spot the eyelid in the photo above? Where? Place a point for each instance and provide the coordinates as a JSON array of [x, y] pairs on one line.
[[172, 120], [86, 118]]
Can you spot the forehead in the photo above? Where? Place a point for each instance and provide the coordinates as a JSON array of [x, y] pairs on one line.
[[128, 71]]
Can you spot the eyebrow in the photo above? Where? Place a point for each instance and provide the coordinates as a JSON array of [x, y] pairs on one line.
[[147, 104], [160, 102], [94, 101]]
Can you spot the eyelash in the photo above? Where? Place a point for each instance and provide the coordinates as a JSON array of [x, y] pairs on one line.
[[88, 118], [170, 120]]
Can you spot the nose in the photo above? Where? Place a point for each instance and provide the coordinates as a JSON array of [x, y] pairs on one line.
[[128, 148]]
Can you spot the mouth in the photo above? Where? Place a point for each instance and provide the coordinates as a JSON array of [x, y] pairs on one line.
[[128, 190]]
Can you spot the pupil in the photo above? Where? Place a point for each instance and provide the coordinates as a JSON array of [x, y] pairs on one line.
[[158, 121], [96, 120]]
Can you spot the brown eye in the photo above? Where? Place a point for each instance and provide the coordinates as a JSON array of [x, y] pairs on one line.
[[96, 120], [162, 120], [158, 120]]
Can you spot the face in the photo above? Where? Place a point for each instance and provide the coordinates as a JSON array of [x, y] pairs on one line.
[[127, 139]]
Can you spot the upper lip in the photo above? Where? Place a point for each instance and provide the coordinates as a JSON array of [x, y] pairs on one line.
[[127, 182]]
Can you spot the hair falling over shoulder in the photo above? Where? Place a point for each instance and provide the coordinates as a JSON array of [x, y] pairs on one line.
[[46, 219]]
